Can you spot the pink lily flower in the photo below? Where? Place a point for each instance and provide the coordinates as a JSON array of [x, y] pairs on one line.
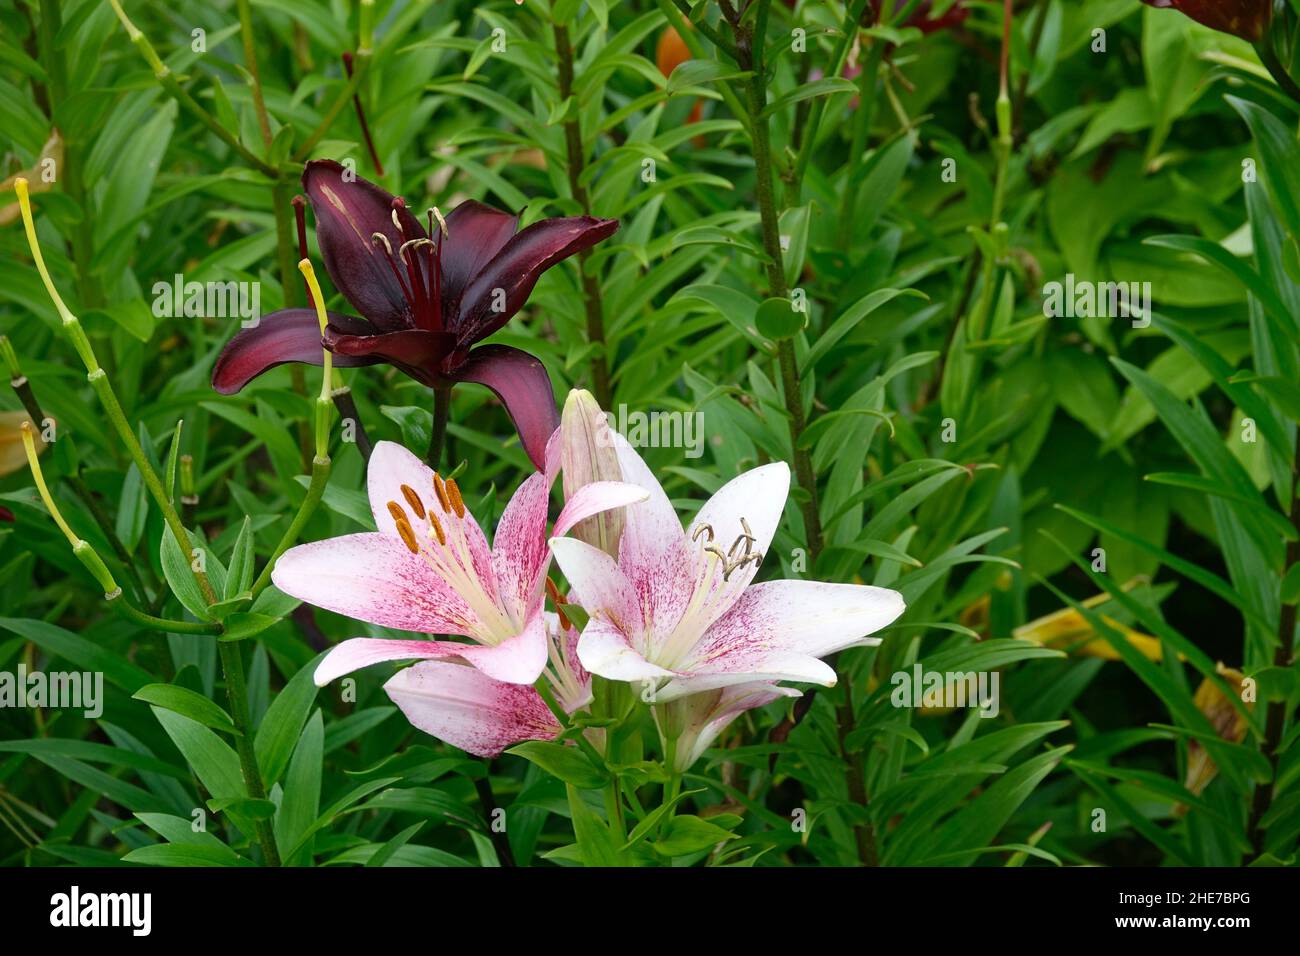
[[467, 709], [696, 721], [677, 612], [429, 569]]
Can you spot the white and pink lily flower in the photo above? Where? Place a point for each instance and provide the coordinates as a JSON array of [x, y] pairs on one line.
[[462, 706], [694, 722], [677, 612], [429, 569]]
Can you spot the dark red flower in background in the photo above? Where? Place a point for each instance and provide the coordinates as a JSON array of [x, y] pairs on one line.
[[1248, 19], [424, 302]]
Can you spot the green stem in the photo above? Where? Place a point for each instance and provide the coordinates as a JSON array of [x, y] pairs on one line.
[[682, 25], [98, 379], [715, 37], [438, 431], [360, 67], [543, 688], [861, 131], [1268, 56], [250, 61], [135, 615], [864, 834], [169, 83], [591, 294], [851, 17], [1275, 719], [232, 665], [320, 476], [749, 47], [23, 388]]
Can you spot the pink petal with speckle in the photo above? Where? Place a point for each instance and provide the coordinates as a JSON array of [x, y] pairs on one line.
[[468, 709]]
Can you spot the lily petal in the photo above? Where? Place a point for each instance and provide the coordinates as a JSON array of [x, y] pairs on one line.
[[519, 552], [467, 709], [757, 496], [348, 213], [475, 233], [599, 585], [778, 630], [393, 467], [517, 661], [359, 652], [653, 550], [524, 387], [604, 650], [417, 352], [373, 577], [595, 498], [289, 335], [516, 268]]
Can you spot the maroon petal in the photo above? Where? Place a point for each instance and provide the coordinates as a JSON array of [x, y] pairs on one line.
[[517, 267], [409, 349], [6, 514], [475, 233], [348, 214], [1248, 19], [290, 335], [521, 382]]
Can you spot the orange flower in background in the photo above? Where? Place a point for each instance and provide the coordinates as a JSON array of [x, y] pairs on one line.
[[671, 53], [12, 456], [1227, 721]]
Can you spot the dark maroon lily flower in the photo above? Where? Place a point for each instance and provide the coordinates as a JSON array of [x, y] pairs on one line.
[[424, 302], [1248, 19], [6, 514]]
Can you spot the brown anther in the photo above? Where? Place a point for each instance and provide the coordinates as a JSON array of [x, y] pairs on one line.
[[396, 511], [408, 536], [383, 240], [564, 621], [440, 489], [453, 492], [706, 528], [413, 244], [437, 528], [554, 592], [716, 551], [413, 500]]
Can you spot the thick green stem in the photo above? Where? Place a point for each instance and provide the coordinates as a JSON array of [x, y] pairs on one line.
[[1275, 719], [591, 294], [136, 616], [232, 665], [250, 62], [749, 48], [438, 432]]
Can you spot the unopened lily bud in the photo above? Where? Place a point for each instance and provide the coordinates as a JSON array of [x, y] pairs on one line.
[[587, 454], [693, 723]]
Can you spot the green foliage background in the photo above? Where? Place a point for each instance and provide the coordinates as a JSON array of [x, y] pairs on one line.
[[968, 450]]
